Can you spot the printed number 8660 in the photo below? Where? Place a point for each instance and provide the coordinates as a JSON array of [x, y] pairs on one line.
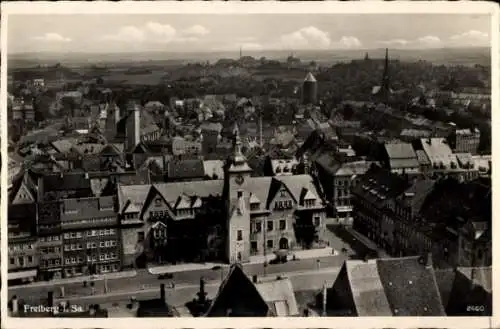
[[475, 308]]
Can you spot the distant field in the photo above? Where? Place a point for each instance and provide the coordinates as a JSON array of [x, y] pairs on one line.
[[151, 79], [294, 75]]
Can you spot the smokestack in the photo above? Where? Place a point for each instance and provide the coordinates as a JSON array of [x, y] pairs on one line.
[[162, 291], [50, 298]]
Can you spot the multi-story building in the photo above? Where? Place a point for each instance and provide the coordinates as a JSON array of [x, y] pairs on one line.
[[231, 218], [182, 146], [465, 140], [416, 216], [401, 158], [337, 179], [22, 241], [443, 162], [91, 240], [50, 242]]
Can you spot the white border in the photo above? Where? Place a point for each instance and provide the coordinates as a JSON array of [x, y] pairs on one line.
[[196, 7]]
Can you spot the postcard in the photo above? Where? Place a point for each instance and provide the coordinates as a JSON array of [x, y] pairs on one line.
[[248, 165]]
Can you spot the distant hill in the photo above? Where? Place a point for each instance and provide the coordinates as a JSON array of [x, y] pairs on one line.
[[463, 56]]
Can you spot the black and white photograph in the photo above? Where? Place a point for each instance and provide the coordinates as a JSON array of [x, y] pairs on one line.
[[237, 161]]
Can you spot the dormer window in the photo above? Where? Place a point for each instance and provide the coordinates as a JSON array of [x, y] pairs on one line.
[[254, 206], [310, 203], [158, 202]]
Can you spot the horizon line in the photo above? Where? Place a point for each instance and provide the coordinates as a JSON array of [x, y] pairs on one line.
[[237, 50]]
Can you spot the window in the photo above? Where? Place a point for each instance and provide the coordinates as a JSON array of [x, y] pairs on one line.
[[282, 224], [270, 225], [240, 235], [240, 194], [480, 254], [30, 259], [283, 193], [258, 226], [254, 206], [140, 236], [270, 244], [66, 235], [102, 244], [317, 221], [253, 246], [58, 262], [101, 257], [12, 261]]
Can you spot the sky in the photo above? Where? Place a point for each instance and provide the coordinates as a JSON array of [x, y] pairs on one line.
[[112, 33]]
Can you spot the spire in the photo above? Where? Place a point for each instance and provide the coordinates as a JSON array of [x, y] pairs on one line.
[[238, 156], [385, 77]]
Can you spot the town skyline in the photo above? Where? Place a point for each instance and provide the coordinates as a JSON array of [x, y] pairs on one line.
[[126, 33]]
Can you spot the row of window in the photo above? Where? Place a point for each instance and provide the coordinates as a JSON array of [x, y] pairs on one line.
[[254, 245], [49, 238], [103, 232], [79, 259], [22, 261], [49, 250], [21, 247], [90, 245], [50, 262], [77, 270], [256, 227], [286, 204]]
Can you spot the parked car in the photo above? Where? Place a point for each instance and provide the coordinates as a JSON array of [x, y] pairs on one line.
[[165, 276]]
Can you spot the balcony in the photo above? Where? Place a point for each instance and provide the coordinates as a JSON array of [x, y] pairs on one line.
[[90, 223]]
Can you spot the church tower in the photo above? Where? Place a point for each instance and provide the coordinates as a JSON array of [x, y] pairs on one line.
[[236, 177]]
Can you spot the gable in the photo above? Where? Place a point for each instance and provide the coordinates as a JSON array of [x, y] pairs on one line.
[[280, 196], [156, 205], [23, 195], [238, 296]]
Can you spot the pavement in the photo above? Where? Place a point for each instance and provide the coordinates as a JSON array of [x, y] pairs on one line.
[[183, 293], [143, 280], [259, 259]]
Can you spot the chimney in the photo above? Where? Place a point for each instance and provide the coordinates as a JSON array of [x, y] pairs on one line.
[[202, 294], [15, 305], [50, 298], [162, 292]]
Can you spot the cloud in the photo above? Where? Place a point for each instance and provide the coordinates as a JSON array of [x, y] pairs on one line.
[[307, 37], [196, 30], [426, 41], [348, 42], [154, 32], [471, 38], [395, 42], [52, 37], [429, 40], [251, 46]]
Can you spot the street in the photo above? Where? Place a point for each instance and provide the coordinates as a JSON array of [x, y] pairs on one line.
[[144, 280], [304, 280]]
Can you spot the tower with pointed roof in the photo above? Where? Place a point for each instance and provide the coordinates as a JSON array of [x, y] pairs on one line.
[[309, 90], [383, 91], [236, 178]]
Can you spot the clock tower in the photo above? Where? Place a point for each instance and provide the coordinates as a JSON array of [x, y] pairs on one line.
[[237, 169], [236, 177]]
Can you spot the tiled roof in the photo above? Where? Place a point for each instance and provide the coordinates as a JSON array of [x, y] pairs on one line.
[[214, 167], [22, 217], [186, 169], [235, 285], [401, 155], [481, 276], [417, 193], [438, 151], [202, 189], [422, 158], [410, 287], [367, 290], [84, 208], [67, 181], [279, 295]]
